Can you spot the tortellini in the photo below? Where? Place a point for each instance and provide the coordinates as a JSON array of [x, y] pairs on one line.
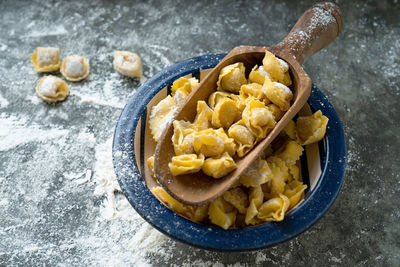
[[258, 75], [227, 126], [75, 68], [219, 166], [268, 189], [182, 87], [203, 117], [161, 115], [257, 174], [208, 143], [311, 129], [46, 59], [256, 198], [222, 213], [254, 91], [274, 209], [225, 113], [128, 64], [278, 93], [258, 118], [237, 198], [231, 78], [183, 136], [277, 68], [186, 163], [243, 137], [52, 89]]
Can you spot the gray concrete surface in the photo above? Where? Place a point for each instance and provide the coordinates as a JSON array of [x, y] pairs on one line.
[[48, 219]]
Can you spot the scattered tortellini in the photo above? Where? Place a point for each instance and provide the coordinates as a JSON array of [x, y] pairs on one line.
[[46, 59], [128, 64], [75, 68], [227, 126], [52, 89]]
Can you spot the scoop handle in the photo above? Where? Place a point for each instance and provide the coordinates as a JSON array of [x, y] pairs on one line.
[[314, 30]]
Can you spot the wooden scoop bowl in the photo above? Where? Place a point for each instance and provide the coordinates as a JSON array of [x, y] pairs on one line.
[[315, 29]]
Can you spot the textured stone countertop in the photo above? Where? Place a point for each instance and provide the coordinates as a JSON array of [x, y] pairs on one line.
[[56, 194]]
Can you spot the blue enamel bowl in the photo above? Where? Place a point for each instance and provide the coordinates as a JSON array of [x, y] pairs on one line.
[[127, 152]]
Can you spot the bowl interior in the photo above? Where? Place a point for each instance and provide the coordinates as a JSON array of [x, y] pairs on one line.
[[322, 166]]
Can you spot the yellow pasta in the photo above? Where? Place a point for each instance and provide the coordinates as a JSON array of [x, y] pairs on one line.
[[182, 87], [258, 119], [225, 113], [200, 213], [291, 153], [150, 164], [185, 164], [161, 115], [277, 113], [229, 143], [258, 75], [75, 68], [290, 130], [311, 129], [128, 64], [257, 174], [197, 214], [243, 137], [183, 136], [174, 204], [52, 89], [219, 166], [222, 213], [203, 117], [217, 96], [286, 79], [236, 117], [277, 68], [46, 59], [237, 198], [278, 93], [231, 78], [208, 143], [274, 209], [255, 91], [294, 172], [295, 192], [256, 197], [280, 174]]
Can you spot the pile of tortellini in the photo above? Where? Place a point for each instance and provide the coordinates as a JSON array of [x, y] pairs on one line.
[[238, 114], [241, 112]]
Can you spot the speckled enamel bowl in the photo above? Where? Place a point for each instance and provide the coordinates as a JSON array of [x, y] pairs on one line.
[[322, 169]]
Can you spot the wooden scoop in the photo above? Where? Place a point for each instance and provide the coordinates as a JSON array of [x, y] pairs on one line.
[[315, 29]]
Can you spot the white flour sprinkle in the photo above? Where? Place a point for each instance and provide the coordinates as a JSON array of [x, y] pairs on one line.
[[13, 132], [49, 30], [3, 102], [3, 47], [74, 66]]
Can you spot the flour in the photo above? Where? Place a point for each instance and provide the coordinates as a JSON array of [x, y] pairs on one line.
[[13, 132], [49, 30], [104, 89], [3, 47], [142, 239], [74, 66], [3, 102], [48, 86]]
